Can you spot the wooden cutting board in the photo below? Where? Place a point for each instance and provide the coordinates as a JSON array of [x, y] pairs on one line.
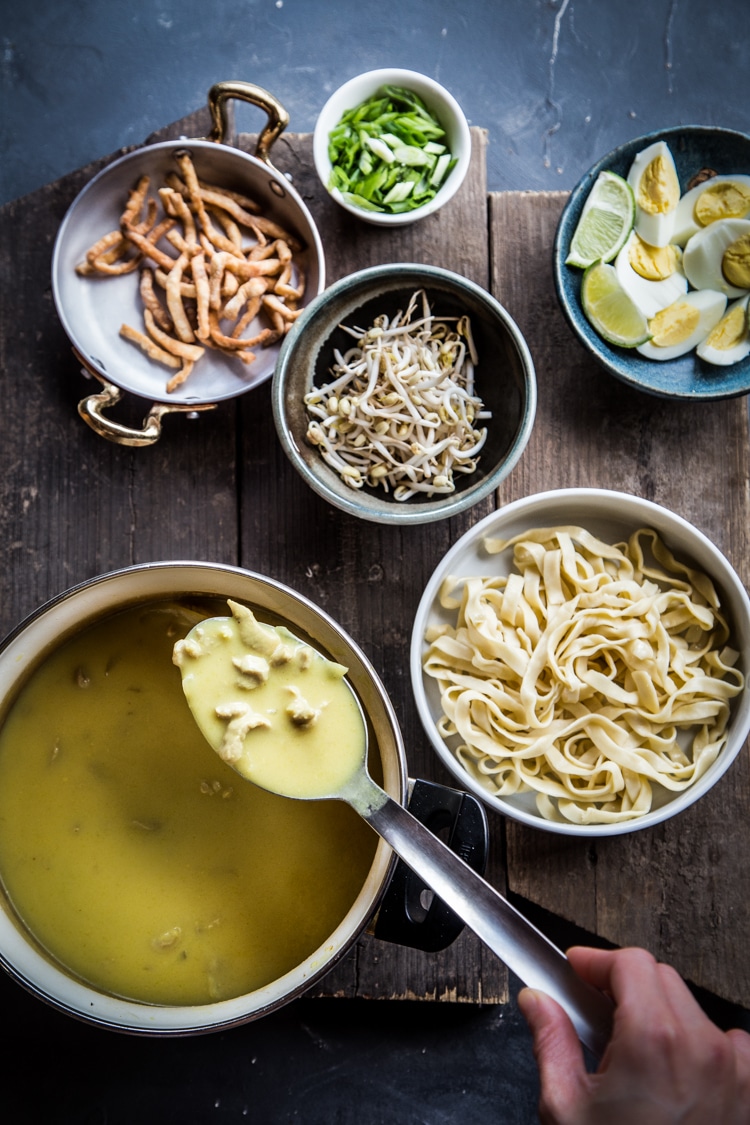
[[220, 489], [680, 889]]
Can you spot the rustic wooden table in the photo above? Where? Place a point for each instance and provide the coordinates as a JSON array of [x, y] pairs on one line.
[[219, 488]]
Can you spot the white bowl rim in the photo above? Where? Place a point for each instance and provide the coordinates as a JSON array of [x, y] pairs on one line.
[[530, 504], [374, 79]]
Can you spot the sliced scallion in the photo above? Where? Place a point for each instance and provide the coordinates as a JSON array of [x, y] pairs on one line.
[[399, 192], [389, 153], [441, 169]]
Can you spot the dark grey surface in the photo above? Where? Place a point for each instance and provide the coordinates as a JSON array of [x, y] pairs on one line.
[[316, 1062], [557, 85]]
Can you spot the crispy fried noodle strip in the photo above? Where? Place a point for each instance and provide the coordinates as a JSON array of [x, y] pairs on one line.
[[221, 284], [591, 674]]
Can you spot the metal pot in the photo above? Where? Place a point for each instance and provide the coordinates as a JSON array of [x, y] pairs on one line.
[[382, 904], [92, 310]]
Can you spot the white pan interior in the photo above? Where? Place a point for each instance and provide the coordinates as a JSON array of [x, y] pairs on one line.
[[93, 309]]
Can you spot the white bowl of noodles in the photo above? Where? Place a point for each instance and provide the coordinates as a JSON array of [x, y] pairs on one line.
[[583, 690]]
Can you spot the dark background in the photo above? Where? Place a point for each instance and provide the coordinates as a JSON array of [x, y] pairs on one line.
[[556, 85]]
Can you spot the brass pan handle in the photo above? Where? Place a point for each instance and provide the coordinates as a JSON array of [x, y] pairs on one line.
[[92, 410], [278, 118]]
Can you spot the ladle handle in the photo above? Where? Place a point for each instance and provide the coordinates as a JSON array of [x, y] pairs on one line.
[[523, 948]]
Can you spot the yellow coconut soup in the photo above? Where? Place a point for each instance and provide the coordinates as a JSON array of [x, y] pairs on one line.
[[135, 856], [272, 706]]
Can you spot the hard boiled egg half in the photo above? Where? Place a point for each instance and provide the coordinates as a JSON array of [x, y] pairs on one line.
[[720, 197], [718, 257], [656, 187], [684, 324], [729, 341], [652, 276]]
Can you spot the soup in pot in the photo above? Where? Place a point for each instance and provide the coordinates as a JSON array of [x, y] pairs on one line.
[[137, 858]]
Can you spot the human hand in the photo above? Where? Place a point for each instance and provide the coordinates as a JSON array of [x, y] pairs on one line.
[[666, 1062]]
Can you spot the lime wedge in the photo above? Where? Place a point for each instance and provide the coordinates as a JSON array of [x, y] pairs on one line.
[[606, 221], [610, 310]]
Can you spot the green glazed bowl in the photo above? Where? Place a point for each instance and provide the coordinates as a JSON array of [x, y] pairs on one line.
[[505, 380]]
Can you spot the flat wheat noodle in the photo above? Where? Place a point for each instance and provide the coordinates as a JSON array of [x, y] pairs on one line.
[[574, 675]]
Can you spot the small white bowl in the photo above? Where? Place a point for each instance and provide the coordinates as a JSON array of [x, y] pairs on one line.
[[612, 516], [436, 98]]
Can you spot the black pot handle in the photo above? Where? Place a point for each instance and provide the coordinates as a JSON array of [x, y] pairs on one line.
[[410, 914]]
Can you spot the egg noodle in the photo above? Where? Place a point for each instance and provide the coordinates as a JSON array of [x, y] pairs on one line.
[[572, 675]]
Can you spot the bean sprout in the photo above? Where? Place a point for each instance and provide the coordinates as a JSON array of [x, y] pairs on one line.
[[400, 409]]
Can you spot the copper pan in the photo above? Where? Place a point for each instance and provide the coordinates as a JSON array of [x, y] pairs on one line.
[[92, 310]]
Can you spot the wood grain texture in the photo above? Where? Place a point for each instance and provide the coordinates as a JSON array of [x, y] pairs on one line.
[[369, 577], [219, 488], [680, 889], [71, 504]]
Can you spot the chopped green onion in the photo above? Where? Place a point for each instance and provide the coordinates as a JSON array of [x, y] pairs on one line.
[[441, 169], [411, 155], [399, 192], [374, 182], [380, 148], [360, 201], [388, 154]]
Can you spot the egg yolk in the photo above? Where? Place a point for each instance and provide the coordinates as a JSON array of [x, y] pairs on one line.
[[735, 263], [658, 189], [673, 324], [722, 201], [655, 263], [730, 331]]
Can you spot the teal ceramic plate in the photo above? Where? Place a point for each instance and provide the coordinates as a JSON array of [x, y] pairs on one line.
[[693, 147]]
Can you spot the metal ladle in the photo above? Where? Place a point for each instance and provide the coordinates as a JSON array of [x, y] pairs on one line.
[[524, 949]]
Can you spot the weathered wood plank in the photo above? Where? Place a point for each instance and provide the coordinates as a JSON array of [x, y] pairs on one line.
[[219, 488], [73, 505], [680, 889], [368, 577]]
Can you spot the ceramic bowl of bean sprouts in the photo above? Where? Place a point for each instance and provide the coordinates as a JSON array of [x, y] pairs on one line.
[[404, 394], [579, 662]]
